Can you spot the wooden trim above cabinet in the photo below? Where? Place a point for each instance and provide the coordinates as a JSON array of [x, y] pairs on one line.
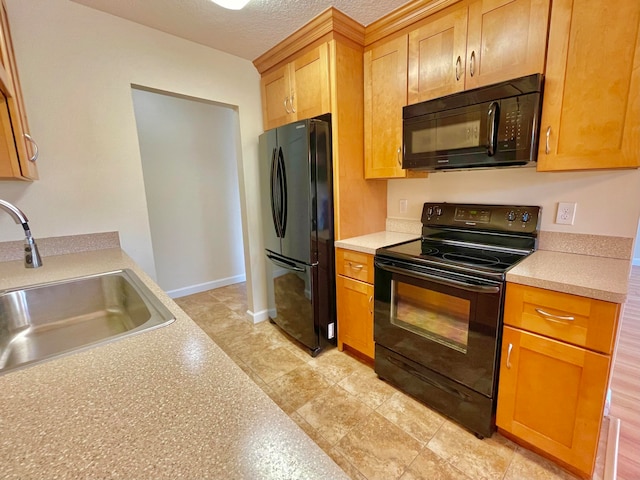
[[403, 17], [330, 24]]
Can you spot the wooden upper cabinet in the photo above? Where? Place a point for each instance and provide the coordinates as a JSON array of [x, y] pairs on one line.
[[506, 39], [591, 110], [18, 153], [310, 92], [298, 90], [385, 93], [437, 57]]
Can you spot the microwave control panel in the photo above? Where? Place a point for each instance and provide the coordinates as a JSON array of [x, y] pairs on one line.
[[514, 129]]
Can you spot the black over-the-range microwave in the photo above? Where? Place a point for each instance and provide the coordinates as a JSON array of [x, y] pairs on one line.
[[493, 126]]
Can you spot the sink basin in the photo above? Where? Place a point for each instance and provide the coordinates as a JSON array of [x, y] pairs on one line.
[[44, 321]]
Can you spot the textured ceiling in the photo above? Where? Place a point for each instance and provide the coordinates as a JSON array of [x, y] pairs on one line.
[[247, 33]]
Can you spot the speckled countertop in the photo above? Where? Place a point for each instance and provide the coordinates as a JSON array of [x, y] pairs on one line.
[[585, 275], [166, 403], [369, 243]]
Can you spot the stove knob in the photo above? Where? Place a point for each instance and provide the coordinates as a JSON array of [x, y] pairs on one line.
[[526, 216], [511, 216], [438, 211], [429, 211]]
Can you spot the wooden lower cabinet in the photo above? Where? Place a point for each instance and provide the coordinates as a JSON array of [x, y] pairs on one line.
[[552, 389], [355, 315], [354, 301]]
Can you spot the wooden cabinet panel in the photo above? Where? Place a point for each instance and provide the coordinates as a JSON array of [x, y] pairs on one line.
[[17, 152], [310, 93], [591, 108], [276, 109], [385, 93], [581, 321], [437, 57], [355, 265], [355, 315], [298, 90], [551, 395], [505, 39]]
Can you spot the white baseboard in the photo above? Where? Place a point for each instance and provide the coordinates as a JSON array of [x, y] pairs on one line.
[[203, 287], [259, 316]]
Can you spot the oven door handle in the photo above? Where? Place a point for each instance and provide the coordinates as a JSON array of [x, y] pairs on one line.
[[436, 279]]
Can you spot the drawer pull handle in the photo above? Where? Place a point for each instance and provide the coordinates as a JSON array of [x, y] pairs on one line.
[[370, 305], [547, 148], [356, 266], [554, 318], [509, 355]]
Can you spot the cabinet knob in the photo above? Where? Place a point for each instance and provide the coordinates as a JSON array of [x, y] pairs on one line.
[[472, 63], [509, 355], [547, 148], [458, 68], [34, 157]]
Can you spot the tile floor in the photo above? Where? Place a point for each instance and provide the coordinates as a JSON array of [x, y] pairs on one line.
[[369, 428]]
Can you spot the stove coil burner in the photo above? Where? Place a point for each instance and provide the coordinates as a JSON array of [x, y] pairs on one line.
[[478, 260], [429, 251]]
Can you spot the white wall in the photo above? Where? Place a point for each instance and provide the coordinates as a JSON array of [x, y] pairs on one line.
[[189, 164], [608, 201], [76, 67]]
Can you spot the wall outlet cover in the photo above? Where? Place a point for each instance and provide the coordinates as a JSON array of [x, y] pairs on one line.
[[566, 213]]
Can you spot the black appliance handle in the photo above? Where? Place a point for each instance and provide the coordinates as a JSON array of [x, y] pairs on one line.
[[274, 187], [282, 179], [284, 263], [436, 279], [492, 120]]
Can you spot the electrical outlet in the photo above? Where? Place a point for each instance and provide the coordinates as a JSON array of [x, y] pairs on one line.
[[566, 213], [403, 206]]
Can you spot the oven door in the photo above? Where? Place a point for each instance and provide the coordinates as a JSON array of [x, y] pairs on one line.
[[444, 321]]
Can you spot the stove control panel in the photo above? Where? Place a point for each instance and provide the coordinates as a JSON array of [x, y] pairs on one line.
[[497, 218]]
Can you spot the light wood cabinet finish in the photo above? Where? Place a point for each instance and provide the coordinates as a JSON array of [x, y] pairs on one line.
[[16, 151], [581, 321], [385, 93], [552, 389], [298, 90], [354, 301], [591, 108]]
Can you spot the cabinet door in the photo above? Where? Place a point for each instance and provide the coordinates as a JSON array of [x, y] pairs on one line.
[[505, 39], [551, 395], [276, 98], [17, 153], [385, 93], [355, 315], [591, 109], [437, 53], [309, 75]]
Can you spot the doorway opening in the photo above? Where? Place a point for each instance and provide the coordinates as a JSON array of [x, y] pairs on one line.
[[189, 157]]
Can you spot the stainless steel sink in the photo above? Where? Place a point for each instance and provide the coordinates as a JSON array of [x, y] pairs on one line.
[[44, 321]]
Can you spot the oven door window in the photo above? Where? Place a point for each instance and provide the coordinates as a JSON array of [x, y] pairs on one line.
[[433, 315]]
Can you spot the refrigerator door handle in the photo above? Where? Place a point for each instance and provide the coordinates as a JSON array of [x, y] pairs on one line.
[[274, 187], [283, 193], [284, 263]]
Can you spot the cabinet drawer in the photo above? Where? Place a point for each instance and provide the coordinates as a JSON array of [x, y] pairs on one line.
[[356, 265], [581, 321]]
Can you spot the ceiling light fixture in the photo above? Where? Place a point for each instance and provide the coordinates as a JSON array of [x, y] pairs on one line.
[[232, 4]]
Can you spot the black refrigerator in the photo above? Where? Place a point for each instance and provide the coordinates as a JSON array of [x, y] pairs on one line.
[[296, 195]]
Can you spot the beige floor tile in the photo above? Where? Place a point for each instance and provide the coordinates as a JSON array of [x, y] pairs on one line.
[[314, 434], [345, 465], [298, 386], [218, 319], [479, 459], [226, 337], [367, 387], [334, 412], [416, 419], [336, 365], [379, 449], [271, 363], [429, 466], [527, 465]]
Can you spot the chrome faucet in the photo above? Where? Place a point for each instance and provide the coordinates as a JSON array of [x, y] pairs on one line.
[[31, 255]]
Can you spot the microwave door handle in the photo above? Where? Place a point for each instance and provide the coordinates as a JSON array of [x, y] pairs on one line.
[[492, 121], [436, 279]]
